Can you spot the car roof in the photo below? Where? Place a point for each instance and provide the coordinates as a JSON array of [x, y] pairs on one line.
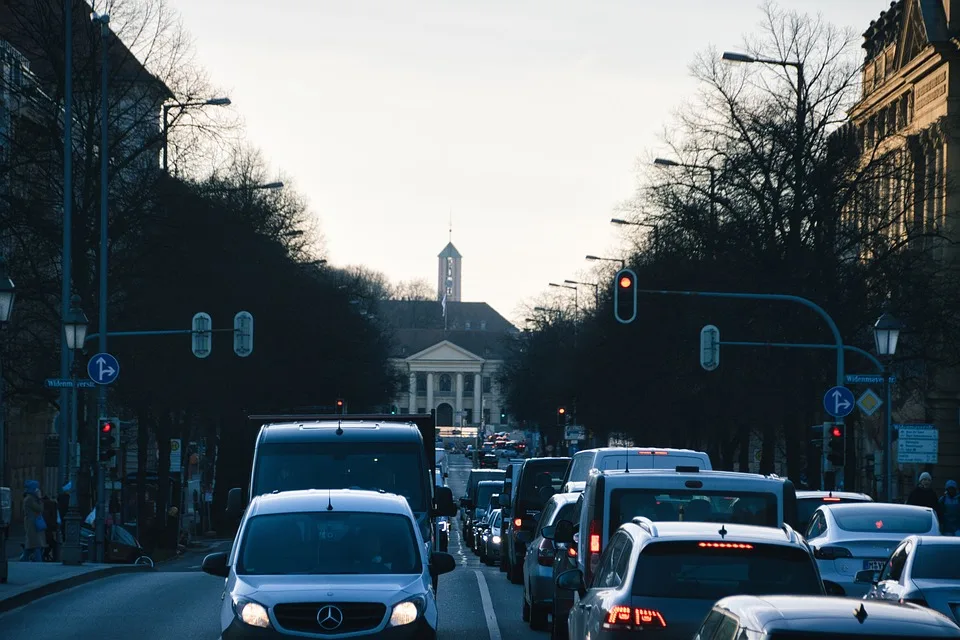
[[843, 495], [313, 430], [487, 483], [689, 475], [472, 471], [711, 532], [308, 500], [830, 614], [615, 449], [942, 541], [565, 498], [879, 508], [534, 461]]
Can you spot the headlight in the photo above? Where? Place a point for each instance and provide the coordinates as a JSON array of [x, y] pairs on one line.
[[252, 613], [496, 539], [407, 611]]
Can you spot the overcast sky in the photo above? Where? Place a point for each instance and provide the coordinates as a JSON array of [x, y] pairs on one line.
[[524, 118]]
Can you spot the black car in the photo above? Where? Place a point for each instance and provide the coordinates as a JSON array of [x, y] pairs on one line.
[[489, 461]]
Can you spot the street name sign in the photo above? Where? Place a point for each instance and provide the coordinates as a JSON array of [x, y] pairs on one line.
[[67, 383], [874, 378], [869, 402], [918, 443], [103, 368], [838, 401], [574, 432]]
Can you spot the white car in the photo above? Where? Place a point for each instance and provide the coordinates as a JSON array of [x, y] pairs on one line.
[[854, 537], [329, 563]]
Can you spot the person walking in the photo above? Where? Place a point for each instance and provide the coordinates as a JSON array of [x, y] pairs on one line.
[[34, 526], [923, 494], [950, 510]]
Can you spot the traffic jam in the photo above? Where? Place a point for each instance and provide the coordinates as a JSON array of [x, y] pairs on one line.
[[618, 542]]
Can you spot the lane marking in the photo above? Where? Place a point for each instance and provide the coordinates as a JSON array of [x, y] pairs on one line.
[[488, 611]]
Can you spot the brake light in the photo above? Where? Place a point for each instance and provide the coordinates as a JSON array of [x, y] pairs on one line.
[[831, 553], [545, 553], [572, 552], [831, 499], [725, 545], [594, 547], [517, 522], [633, 618], [594, 543]]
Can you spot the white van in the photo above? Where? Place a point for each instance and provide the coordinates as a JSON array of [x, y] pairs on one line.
[[612, 498], [606, 458]]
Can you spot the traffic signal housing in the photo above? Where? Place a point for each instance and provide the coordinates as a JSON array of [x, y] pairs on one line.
[[836, 453], [561, 416], [108, 438], [625, 296]]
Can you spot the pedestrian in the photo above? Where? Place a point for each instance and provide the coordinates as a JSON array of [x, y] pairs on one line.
[[52, 518], [63, 504], [34, 525], [950, 510], [923, 494]]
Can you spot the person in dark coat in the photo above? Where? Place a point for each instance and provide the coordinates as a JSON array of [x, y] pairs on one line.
[[51, 517], [923, 494]]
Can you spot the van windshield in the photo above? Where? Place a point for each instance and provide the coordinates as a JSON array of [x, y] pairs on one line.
[[537, 476], [395, 467], [693, 505], [484, 491]]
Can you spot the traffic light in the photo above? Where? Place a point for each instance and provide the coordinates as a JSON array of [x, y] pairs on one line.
[[393, 410], [561, 416], [341, 406], [835, 446], [109, 431], [625, 296]]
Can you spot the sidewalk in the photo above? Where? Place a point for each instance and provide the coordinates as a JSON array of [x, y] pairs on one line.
[[29, 581]]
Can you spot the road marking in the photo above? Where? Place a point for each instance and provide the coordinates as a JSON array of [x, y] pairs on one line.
[[488, 611]]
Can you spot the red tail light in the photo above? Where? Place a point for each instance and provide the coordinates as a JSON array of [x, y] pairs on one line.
[[517, 522], [546, 553], [572, 552], [633, 618], [831, 499], [725, 545], [594, 548], [831, 553]]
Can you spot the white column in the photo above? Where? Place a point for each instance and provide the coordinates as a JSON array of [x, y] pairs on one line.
[[413, 393], [477, 398], [430, 406], [459, 392]]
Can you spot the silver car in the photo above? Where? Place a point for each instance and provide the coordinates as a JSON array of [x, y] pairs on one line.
[[538, 580], [848, 538], [923, 570]]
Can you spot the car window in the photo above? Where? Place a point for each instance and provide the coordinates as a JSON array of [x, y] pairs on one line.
[[693, 505], [818, 526], [536, 476], [498, 520], [727, 630], [895, 563], [328, 543], [548, 512], [688, 570], [580, 466], [886, 521], [484, 490], [622, 568], [710, 626], [936, 562], [606, 576]]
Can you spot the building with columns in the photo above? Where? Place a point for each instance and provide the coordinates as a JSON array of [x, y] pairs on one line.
[[449, 355], [906, 123]]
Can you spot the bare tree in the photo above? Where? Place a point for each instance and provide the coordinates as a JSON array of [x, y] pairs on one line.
[[415, 289]]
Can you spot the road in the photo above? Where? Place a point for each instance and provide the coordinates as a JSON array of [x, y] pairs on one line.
[[179, 601]]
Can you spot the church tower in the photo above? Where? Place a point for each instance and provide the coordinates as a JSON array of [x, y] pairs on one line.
[[449, 273]]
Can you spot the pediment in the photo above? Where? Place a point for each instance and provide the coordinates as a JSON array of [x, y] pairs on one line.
[[445, 351], [913, 36]]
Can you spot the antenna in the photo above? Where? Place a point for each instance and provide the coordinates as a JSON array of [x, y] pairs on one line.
[[626, 465], [339, 431], [329, 501], [450, 230]]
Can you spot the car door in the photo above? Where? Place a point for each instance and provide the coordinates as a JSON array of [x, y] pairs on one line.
[[589, 608], [890, 584]]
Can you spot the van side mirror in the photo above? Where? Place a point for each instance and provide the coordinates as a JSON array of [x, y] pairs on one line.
[[445, 504], [867, 576], [235, 502], [216, 565], [572, 580], [563, 532], [441, 563], [548, 532]]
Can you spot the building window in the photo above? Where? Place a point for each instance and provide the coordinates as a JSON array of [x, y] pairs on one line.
[[421, 384], [483, 325], [468, 416], [503, 416], [446, 384], [487, 384], [404, 411], [466, 325], [468, 384], [486, 416], [421, 410]]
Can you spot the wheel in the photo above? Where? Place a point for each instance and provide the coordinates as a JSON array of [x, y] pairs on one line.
[[144, 560], [538, 618], [525, 612], [558, 626]]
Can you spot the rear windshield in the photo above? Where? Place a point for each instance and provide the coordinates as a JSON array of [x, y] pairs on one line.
[[534, 477], [806, 507], [484, 491], [693, 505], [685, 570], [936, 562], [884, 522]]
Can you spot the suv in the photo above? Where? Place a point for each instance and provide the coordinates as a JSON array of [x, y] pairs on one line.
[[322, 562], [605, 458], [664, 577]]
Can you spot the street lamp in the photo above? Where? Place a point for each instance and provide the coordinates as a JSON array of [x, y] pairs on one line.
[[622, 263], [886, 335], [75, 333], [596, 287], [8, 293], [666, 162], [212, 102]]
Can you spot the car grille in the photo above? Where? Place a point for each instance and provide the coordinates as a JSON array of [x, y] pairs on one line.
[[357, 616]]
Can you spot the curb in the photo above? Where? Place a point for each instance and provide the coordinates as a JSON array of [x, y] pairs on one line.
[[26, 597]]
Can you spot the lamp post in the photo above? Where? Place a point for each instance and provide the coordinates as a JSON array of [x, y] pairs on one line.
[[886, 335], [75, 333], [213, 102], [627, 223], [622, 263], [8, 293], [596, 288], [576, 297], [714, 222]]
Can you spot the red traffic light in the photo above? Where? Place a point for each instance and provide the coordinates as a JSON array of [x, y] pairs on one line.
[[561, 411], [626, 282], [106, 427], [836, 432], [339, 403]]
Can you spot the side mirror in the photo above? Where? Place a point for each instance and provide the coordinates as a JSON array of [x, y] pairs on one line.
[[504, 500], [833, 589], [441, 563], [548, 532], [572, 580], [445, 504], [524, 536], [563, 532], [235, 502], [216, 564], [867, 576]]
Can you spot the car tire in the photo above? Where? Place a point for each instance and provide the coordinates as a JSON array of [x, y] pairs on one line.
[[525, 611], [558, 625], [538, 618]]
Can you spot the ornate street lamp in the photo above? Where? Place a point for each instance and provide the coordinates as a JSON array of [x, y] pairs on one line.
[[886, 334], [75, 325], [75, 334]]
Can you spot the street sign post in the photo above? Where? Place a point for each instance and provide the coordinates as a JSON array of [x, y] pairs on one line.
[[103, 368], [710, 347], [838, 401], [917, 444], [67, 383]]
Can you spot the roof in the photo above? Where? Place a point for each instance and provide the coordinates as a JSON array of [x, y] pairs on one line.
[[449, 251], [487, 483], [710, 531], [689, 475], [879, 508], [320, 499], [826, 614], [565, 498], [354, 430], [845, 495], [428, 314]]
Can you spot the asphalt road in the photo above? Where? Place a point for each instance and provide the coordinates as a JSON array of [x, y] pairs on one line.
[[178, 601]]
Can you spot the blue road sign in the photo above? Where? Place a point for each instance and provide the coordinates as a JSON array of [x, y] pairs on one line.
[[67, 383], [838, 401], [103, 368]]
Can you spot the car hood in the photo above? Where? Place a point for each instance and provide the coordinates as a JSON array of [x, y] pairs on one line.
[[270, 590]]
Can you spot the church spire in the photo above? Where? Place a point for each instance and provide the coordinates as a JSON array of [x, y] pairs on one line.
[[449, 269]]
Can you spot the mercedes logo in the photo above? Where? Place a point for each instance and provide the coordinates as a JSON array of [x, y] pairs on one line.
[[329, 617]]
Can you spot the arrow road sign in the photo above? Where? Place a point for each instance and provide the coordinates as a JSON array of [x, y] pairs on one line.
[[838, 401], [67, 383], [103, 368]]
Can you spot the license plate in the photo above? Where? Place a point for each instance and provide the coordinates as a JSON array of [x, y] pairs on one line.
[[874, 565]]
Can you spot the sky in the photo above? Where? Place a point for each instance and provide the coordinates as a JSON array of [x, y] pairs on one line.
[[522, 120]]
